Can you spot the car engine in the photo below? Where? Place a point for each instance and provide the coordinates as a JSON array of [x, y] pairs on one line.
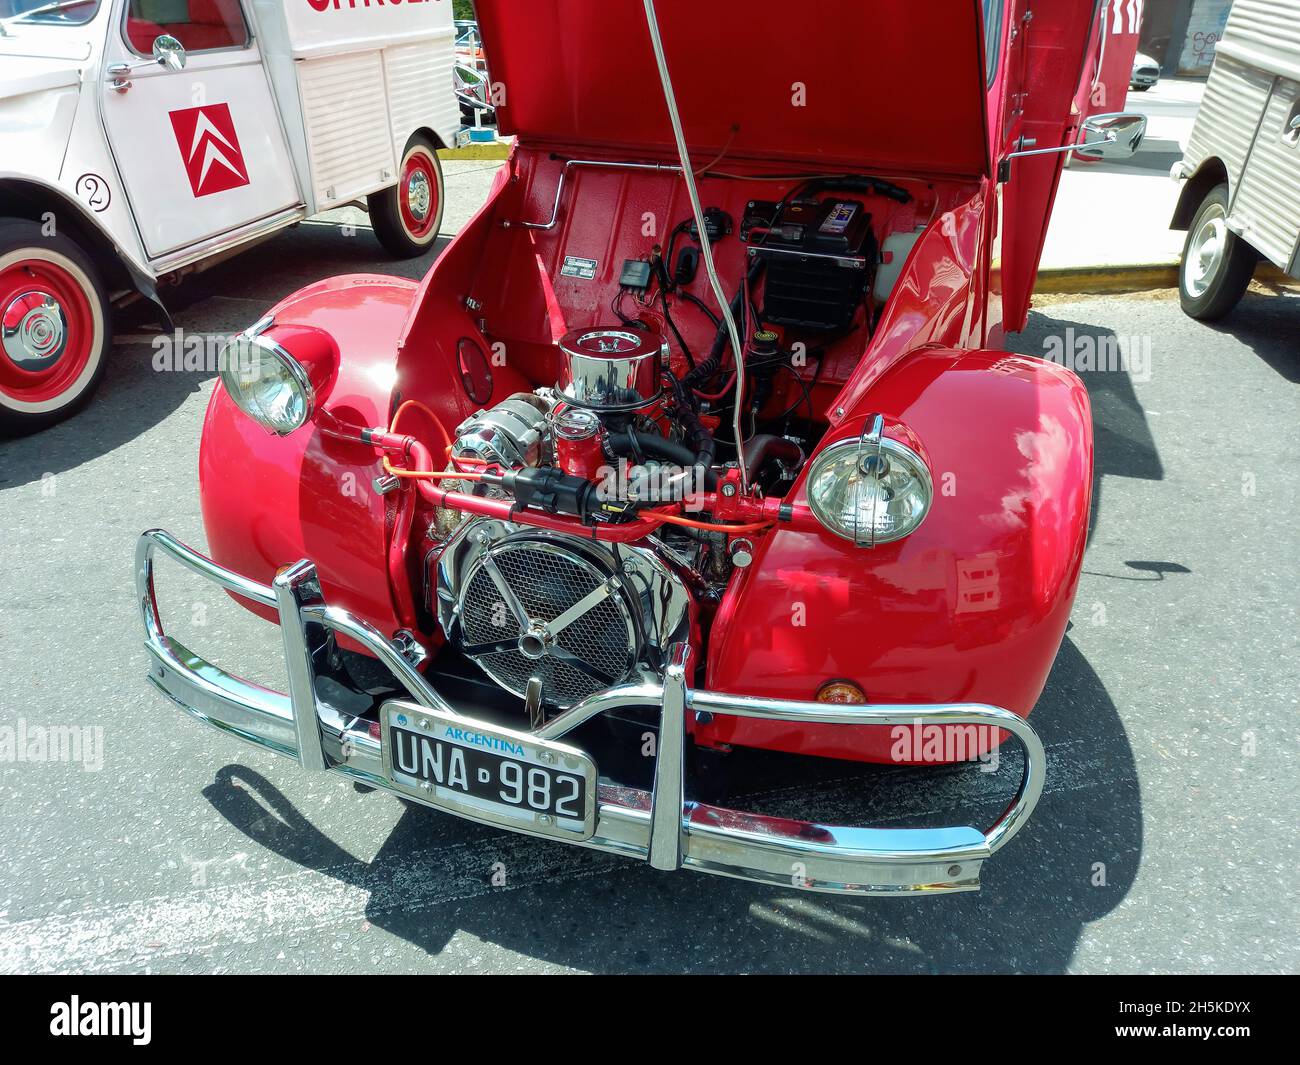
[[554, 616]]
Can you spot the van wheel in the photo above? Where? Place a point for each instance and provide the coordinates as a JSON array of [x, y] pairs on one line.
[[55, 328], [1217, 264], [407, 216]]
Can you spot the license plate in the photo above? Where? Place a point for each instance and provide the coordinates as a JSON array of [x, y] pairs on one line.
[[493, 774]]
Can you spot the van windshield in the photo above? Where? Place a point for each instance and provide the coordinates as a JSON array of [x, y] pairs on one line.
[[49, 12]]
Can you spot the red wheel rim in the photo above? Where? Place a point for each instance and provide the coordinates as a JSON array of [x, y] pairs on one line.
[[47, 331], [418, 194]]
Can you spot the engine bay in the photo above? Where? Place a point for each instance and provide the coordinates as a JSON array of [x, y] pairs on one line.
[[595, 510]]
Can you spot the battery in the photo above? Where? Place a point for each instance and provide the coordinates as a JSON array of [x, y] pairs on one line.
[[820, 255]]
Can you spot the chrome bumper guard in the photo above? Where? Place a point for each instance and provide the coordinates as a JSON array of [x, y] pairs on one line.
[[659, 826]]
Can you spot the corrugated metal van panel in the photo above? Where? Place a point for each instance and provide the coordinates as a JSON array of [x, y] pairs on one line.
[[1230, 110], [1269, 30], [1266, 208], [419, 90], [346, 116]]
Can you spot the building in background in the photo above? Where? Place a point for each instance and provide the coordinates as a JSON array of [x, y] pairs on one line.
[[1180, 34]]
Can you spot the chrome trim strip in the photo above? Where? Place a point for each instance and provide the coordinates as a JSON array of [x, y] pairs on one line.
[[660, 827], [1013, 817], [370, 637], [637, 693], [601, 163], [215, 245], [196, 563]]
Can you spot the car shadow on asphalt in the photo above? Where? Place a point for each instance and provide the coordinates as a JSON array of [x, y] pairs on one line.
[[436, 877], [1269, 324], [149, 376], [1122, 440]]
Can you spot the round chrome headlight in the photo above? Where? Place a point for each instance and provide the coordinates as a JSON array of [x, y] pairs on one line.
[[868, 492], [267, 383]]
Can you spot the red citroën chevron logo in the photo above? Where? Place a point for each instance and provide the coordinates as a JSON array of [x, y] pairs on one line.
[[209, 148]]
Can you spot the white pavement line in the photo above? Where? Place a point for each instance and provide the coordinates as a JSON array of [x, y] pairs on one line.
[[338, 898]]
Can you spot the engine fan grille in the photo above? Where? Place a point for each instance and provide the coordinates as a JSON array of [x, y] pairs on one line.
[[547, 579]]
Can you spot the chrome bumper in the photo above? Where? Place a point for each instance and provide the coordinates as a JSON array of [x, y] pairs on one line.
[[658, 826]]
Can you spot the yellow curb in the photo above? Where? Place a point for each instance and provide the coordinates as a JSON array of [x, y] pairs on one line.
[[483, 150], [1132, 278]]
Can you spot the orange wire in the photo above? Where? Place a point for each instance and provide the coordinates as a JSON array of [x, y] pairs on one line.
[[425, 475], [674, 519], [427, 412], [430, 475]]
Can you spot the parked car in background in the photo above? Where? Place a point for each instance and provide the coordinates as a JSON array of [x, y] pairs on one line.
[[1240, 198], [142, 140], [1146, 72], [660, 461]]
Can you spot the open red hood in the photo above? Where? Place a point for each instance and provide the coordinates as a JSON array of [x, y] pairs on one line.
[[887, 87]]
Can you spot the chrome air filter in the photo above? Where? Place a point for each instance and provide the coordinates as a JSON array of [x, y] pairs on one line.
[[549, 607], [611, 368]]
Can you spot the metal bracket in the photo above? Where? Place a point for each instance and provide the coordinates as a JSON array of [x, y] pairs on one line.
[[533, 703], [869, 452], [295, 588], [669, 795]]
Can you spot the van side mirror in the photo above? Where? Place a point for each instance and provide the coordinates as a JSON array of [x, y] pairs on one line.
[[169, 52], [1111, 136]]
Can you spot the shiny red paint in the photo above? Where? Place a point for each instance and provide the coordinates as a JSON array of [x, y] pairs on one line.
[[580, 458], [758, 80], [972, 605], [268, 500], [27, 286], [969, 608]]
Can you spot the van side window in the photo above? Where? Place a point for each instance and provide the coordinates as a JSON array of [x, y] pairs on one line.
[[200, 25]]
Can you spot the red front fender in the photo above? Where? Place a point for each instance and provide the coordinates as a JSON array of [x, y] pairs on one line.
[[269, 501], [969, 608]]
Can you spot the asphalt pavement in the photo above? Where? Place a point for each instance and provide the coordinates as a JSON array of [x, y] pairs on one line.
[[1164, 841]]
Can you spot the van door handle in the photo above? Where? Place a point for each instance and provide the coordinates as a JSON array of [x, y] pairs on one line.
[[120, 76], [1291, 130]]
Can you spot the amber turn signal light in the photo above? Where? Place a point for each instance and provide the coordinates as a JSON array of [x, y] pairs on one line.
[[843, 692]]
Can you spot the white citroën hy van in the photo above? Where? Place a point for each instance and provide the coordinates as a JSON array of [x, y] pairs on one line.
[[1240, 199], [144, 139]]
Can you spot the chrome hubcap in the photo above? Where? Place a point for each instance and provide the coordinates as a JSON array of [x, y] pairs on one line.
[[1206, 251], [535, 643], [418, 195], [35, 331]]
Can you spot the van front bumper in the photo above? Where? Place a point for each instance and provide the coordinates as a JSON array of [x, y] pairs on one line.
[[659, 826]]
